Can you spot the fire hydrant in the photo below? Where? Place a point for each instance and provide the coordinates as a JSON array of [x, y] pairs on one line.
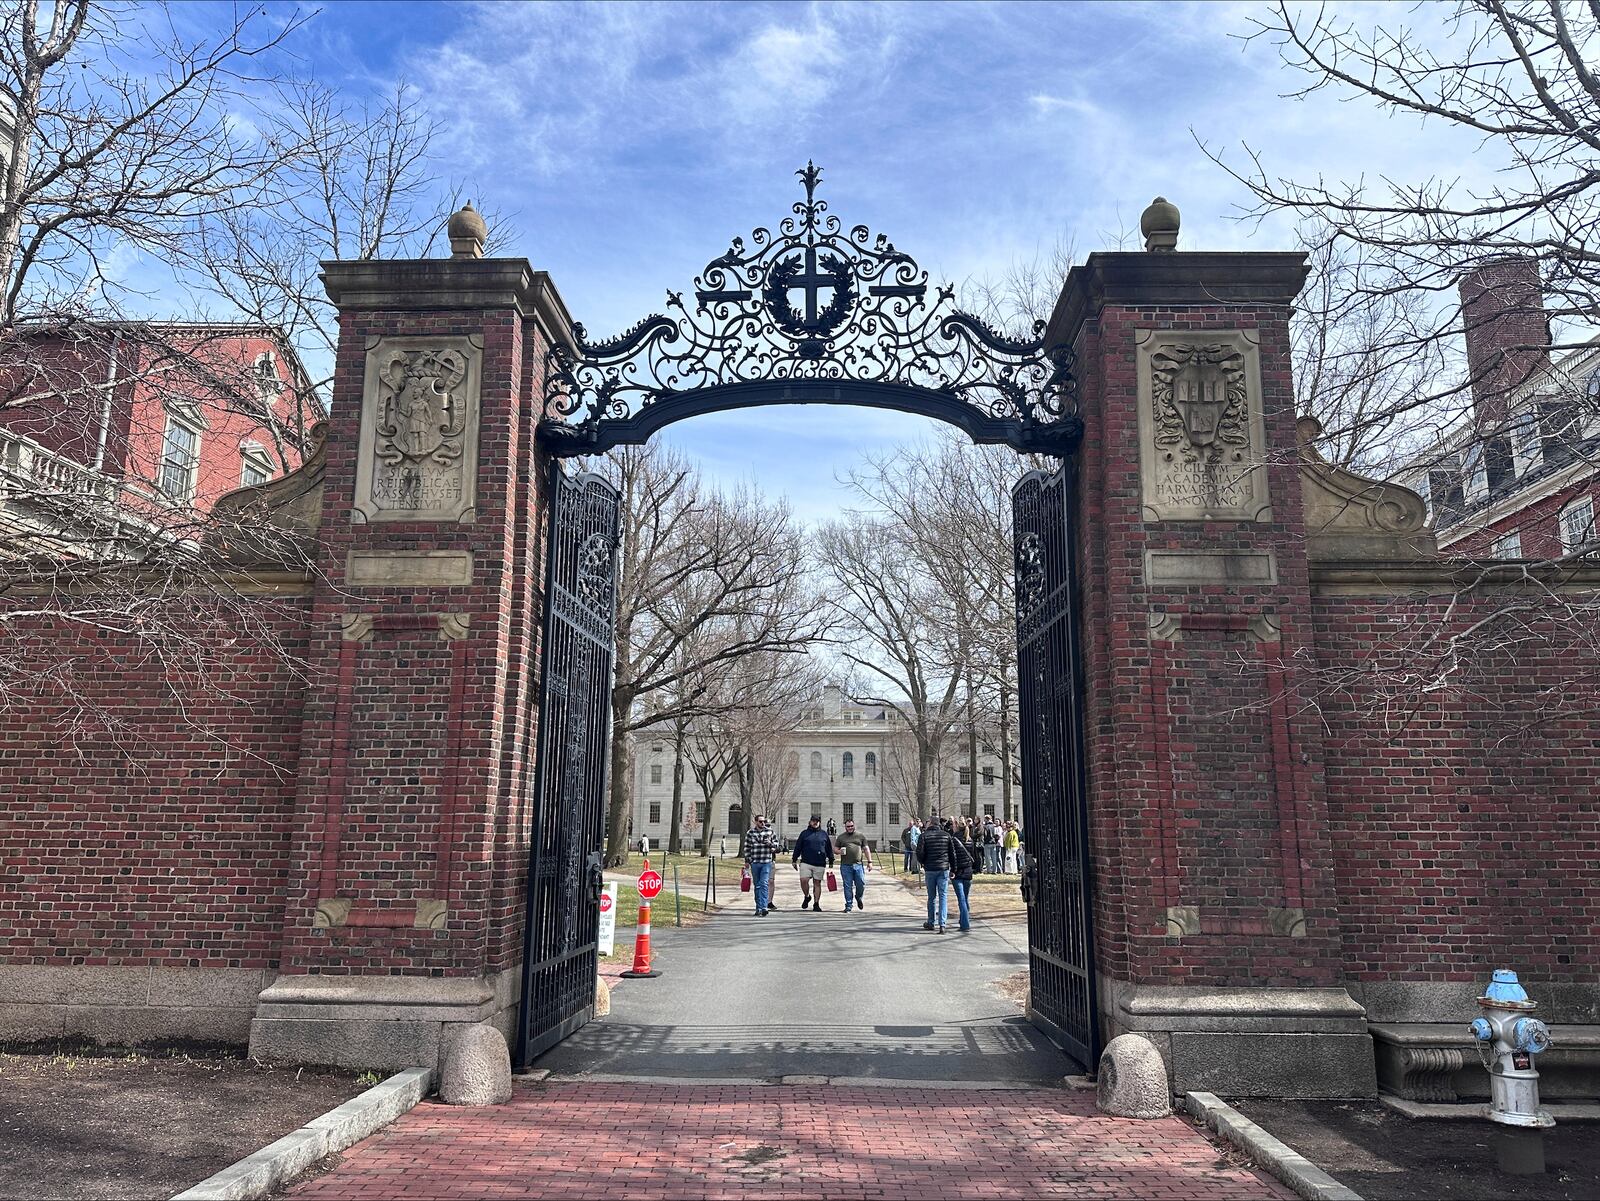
[[1508, 1038]]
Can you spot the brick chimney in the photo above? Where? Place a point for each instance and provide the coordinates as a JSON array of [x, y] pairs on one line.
[[1507, 332]]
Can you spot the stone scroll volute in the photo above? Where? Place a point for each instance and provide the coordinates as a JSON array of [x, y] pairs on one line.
[[418, 457], [1202, 446]]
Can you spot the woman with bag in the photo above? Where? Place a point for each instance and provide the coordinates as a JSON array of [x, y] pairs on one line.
[[962, 861]]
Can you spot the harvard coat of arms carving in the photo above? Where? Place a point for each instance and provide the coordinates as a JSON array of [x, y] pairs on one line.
[[419, 430], [1201, 428]]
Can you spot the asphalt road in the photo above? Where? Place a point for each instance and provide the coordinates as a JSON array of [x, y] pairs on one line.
[[863, 994]]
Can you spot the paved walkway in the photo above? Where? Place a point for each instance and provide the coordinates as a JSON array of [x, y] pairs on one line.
[[596, 1141], [860, 994], [678, 1093]]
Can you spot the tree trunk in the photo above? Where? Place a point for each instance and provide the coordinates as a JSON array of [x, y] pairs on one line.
[[705, 821], [1005, 744], [924, 771], [675, 837], [621, 790], [972, 754]]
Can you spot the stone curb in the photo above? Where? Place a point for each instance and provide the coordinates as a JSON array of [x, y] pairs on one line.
[[787, 1082], [277, 1163], [1277, 1157]]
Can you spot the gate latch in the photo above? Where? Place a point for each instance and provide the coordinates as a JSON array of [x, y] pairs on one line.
[[597, 877]]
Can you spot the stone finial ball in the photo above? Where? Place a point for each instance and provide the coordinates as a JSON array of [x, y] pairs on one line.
[[1159, 224], [468, 224]]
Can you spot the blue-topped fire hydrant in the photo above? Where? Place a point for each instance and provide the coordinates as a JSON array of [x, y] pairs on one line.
[[1508, 1038]]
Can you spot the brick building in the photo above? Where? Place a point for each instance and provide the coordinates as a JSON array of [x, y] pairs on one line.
[[1521, 478], [141, 427], [843, 762]]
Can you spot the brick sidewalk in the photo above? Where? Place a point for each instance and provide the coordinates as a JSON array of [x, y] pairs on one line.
[[599, 1141]]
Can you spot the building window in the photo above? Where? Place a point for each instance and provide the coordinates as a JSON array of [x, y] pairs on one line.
[[791, 765], [1527, 442], [700, 812], [964, 777], [794, 813], [847, 765], [816, 765], [988, 810], [656, 747], [871, 764], [267, 381], [252, 473], [1475, 475], [655, 813], [1577, 525], [180, 461], [816, 808], [988, 775], [1508, 546], [655, 773], [734, 813], [872, 813], [894, 814], [849, 812]]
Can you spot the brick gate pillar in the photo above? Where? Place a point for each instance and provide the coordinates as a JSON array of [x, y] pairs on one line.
[[1217, 927], [404, 906]]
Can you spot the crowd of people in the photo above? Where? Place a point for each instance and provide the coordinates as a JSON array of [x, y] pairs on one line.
[[947, 852]]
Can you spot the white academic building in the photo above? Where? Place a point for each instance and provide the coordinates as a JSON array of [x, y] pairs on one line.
[[842, 760]]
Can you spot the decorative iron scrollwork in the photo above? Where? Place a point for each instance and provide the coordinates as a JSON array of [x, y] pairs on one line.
[[813, 313]]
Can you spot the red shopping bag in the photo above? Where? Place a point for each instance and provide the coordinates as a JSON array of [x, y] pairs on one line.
[[833, 881], [744, 879]]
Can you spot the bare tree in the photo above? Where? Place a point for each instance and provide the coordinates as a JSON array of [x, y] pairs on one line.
[[704, 579], [885, 605], [1378, 340], [1518, 78], [362, 186]]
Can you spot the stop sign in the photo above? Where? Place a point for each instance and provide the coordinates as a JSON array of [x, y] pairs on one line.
[[649, 884], [605, 902]]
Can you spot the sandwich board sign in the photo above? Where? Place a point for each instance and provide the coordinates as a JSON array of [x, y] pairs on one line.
[[608, 919]]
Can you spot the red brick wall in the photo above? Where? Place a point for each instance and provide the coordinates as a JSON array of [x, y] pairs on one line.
[[422, 745], [1465, 819], [1164, 834], [163, 839]]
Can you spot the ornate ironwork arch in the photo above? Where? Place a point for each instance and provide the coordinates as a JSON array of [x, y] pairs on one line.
[[811, 314]]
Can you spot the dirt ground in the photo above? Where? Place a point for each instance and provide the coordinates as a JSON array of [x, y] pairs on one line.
[[1386, 1156], [144, 1126]]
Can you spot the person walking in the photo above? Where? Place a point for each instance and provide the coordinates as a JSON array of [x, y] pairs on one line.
[[760, 849], [933, 853], [813, 855], [908, 842], [855, 861], [1011, 842]]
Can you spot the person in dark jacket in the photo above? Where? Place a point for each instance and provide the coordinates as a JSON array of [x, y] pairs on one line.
[[963, 858], [813, 855], [934, 854]]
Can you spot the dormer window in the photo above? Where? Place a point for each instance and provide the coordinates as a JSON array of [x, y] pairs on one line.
[[255, 465], [1474, 475], [267, 382]]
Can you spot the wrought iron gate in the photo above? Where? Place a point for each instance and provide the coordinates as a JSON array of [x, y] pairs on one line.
[[573, 757], [1055, 807]]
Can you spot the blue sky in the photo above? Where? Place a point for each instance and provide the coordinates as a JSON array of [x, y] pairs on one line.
[[622, 145]]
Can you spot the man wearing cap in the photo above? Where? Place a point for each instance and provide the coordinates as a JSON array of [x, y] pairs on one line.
[[760, 849], [813, 856], [855, 861]]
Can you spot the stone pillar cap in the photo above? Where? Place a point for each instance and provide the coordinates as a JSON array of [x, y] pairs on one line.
[[467, 233], [1159, 225]]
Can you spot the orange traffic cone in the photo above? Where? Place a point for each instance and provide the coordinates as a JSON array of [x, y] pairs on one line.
[[641, 942]]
